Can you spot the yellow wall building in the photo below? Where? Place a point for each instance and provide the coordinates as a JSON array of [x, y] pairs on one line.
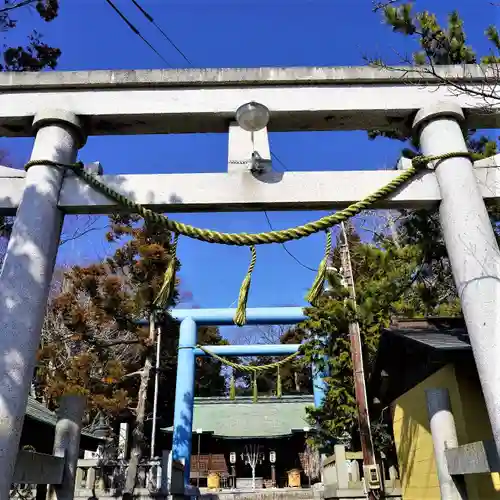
[[411, 360]]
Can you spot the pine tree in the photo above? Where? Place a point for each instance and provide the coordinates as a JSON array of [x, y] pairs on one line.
[[385, 287], [410, 278], [441, 46], [36, 55]]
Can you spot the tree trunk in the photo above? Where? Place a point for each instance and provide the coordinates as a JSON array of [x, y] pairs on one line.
[[138, 432], [253, 477]]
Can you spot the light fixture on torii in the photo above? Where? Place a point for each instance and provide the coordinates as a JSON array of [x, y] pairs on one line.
[[248, 139], [252, 116]]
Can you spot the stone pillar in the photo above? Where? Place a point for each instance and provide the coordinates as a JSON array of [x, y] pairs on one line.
[[341, 466], [471, 245], [26, 275], [444, 435], [67, 443], [184, 397]]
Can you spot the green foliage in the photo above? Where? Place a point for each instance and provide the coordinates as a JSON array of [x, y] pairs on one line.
[[410, 277], [439, 45], [386, 285], [36, 55], [210, 380]]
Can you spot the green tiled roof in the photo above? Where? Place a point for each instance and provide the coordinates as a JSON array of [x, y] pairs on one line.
[[37, 411], [241, 418]]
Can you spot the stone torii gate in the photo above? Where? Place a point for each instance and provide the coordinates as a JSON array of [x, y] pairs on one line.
[[62, 108]]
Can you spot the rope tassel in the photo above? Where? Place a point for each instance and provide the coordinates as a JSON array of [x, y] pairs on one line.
[[317, 287], [167, 290], [232, 387], [278, 384], [255, 389], [240, 318]]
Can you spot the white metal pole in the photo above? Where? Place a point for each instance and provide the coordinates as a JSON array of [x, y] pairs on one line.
[[157, 383]]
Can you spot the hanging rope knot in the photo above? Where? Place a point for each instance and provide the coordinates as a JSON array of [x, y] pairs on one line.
[[317, 287], [246, 239], [166, 293], [240, 317]]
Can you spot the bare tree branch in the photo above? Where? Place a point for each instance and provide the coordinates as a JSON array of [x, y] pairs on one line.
[[88, 227], [22, 3], [133, 374], [382, 5]]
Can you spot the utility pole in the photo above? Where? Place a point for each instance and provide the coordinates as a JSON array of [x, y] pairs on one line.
[[367, 447]]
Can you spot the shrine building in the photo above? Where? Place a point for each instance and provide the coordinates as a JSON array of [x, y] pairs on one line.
[[226, 431]]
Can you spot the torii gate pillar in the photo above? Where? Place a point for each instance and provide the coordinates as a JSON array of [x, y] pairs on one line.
[[26, 275], [471, 245]]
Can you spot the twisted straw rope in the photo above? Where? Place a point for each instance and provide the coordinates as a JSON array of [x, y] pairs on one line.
[[249, 368], [249, 239]]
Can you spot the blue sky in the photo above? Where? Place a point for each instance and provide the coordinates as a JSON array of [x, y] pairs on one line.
[[232, 33]]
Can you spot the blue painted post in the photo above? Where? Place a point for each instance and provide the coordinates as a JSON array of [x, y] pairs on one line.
[[184, 396]]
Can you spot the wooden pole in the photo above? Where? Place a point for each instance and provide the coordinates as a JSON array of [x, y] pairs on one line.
[[367, 447]]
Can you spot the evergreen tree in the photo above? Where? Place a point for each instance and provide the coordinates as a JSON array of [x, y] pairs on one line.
[[442, 46], [412, 278], [386, 286], [36, 55]]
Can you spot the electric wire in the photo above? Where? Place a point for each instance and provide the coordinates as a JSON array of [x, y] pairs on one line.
[[305, 266], [285, 248], [274, 155], [136, 31], [150, 18], [277, 158]]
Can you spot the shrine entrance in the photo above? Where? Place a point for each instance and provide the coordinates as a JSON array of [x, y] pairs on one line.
[[190, 319]]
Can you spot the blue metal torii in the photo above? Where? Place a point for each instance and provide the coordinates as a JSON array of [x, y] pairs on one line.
[[189, 320]]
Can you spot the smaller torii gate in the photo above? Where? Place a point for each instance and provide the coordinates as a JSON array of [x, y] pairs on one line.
[[190, 319]]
